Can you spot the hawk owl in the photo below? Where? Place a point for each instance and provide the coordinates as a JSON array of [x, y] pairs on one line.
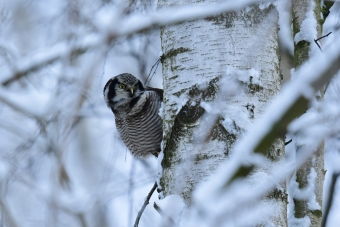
[[136, 113]]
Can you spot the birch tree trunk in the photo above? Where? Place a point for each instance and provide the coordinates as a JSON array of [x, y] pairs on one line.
[[204, 61], [307, 13]]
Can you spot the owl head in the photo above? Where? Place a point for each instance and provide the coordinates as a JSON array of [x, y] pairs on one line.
[[121, 90]]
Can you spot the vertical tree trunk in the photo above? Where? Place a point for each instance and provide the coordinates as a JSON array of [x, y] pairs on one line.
[[200, 121], [307, 22]]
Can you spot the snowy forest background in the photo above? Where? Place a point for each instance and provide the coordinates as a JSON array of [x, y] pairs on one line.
[[61, 160]]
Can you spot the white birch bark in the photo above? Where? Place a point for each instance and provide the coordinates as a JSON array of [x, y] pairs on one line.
[[309, 207], [201, 121]]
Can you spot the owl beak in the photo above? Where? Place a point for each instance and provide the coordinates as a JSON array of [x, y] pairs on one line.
[[131, 90]]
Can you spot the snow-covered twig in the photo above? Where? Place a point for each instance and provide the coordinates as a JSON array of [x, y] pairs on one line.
[[294, 97], [239, 196], [293, 100], [42, 59], [145, 204], [127, 26], [138, 23]]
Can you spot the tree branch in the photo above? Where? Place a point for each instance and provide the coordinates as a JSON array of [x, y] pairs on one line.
[[145, 204], [288, 142], [129, 25], [42, 59], [292, 101], [329, 199], [316, 40]]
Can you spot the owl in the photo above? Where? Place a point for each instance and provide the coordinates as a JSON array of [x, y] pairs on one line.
[[136, 108]]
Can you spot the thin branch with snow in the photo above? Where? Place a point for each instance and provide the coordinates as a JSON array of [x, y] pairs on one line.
[[292, 101], [124, 27]]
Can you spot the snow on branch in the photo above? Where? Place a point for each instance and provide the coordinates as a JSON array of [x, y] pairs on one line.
[[44, 58], [214, 204], [293, 100], [138, 23], [226, 185], [118, 28]]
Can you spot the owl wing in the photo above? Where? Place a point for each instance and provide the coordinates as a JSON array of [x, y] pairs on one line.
[[157, 90], [144, 126]]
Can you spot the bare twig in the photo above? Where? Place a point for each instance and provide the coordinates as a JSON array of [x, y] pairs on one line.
[[329, 199], [317, 44], [326, 87], [145, 204], [323, 36], [316, 40], [288, 142], [155, 65]]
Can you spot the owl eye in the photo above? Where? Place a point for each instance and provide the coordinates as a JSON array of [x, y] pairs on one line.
[[121, 86]]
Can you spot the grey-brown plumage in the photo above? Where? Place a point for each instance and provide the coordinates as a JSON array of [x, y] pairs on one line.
[[136, 113]]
